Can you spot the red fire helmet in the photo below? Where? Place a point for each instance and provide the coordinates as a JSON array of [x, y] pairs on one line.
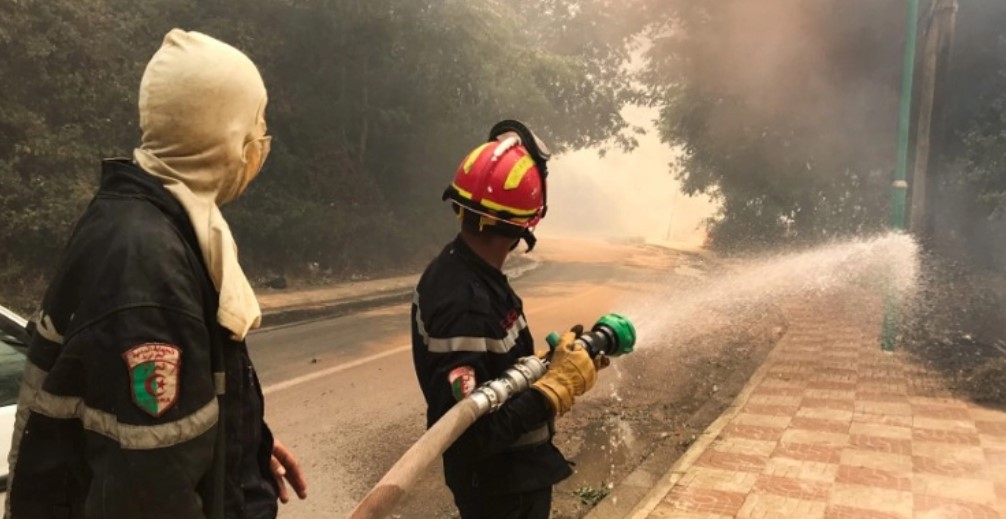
[[500, 180]]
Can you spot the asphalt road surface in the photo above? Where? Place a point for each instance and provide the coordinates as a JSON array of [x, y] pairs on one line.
[[342, 394]]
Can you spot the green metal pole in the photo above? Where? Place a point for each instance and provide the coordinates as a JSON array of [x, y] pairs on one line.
[[899, 188]]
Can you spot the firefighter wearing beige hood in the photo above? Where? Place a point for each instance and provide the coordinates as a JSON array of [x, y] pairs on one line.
[[140, 399], [202, 112]]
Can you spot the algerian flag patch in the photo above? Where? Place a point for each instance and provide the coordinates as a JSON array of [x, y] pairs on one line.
[[462, 380], [153, 376]]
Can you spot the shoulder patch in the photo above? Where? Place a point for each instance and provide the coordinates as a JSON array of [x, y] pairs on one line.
[[153, 376], [462, 381]]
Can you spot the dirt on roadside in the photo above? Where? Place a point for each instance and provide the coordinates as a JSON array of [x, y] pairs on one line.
[[665, 396], [956, 329]]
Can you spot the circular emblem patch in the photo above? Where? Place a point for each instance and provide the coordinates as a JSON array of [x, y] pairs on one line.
[[462, 381]]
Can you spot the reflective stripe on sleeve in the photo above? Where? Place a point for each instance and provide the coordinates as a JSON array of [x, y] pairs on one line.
[[465, 343], [470, 344], [129, 436], [220, 382], [31, 380], [476, 344], [46, 329], [420, 327]]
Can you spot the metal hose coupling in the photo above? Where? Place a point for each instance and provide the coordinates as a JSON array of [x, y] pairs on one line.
[[493, 394]]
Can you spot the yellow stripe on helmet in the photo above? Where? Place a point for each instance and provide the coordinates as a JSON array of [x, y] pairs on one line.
[[473, 156], [489, 204], [493, 206], [487, 218], [462, 192], [518, 171]]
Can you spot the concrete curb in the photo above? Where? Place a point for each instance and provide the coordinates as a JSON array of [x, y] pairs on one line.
[[645, 480], [290, 316]]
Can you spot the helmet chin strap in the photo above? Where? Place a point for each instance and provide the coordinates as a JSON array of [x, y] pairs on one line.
[[528, 238], [501, 227]]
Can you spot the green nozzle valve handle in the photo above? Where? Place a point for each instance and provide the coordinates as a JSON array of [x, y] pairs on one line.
[[612, 335], [623, 332]]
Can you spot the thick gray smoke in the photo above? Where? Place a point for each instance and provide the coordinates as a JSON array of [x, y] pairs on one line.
[[625, 196]]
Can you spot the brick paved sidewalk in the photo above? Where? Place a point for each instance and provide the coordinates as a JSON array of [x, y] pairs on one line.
[[832, 427]]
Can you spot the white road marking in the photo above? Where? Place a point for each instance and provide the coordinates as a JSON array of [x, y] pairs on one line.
[[296, 381], [286, 384]]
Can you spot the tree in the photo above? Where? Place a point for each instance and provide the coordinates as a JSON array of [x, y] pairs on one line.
[[62, 107], [784, 110], [372, 105], [978, 94]]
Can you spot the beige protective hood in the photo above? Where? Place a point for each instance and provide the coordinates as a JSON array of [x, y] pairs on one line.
[[202, 113]]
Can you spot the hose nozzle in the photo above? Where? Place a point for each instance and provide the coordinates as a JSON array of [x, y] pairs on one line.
[[612, 335]]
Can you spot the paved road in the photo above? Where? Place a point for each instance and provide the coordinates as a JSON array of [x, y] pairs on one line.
[[342, 393]]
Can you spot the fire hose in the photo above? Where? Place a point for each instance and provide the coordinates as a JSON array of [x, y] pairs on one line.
[[612, 336]]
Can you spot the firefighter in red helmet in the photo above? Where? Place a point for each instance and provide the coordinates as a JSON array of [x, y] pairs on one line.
[[501, 184], [468, 326]]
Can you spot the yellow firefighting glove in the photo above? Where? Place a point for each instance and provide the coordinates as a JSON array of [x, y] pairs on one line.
[[570, 374]]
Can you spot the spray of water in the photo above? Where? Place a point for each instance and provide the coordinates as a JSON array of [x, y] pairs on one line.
[[694, 300], [888, 263]]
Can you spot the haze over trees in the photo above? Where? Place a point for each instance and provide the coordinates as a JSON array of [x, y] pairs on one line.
[[786, 110], [372, 105]]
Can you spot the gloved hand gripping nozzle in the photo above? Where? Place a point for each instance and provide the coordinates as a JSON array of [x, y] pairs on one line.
[[612, 336]]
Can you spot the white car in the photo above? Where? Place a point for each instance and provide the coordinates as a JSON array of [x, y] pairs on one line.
[[13, 346]]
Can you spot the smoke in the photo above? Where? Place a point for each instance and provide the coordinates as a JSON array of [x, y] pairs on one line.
[[797, 101], [786, 104], [787, 108], [826, 71], [625, 196]]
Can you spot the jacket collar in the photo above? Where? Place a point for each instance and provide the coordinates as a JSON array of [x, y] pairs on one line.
[[461, 249], [123, 178]]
